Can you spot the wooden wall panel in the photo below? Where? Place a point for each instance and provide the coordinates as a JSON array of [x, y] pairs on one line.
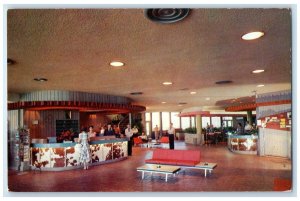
[[46, 121], [95, 120], [55, 95]]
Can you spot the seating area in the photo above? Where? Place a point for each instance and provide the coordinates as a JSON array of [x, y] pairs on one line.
[[175, 157]]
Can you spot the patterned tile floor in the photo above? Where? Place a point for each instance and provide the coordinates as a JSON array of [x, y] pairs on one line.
[[234, 173]]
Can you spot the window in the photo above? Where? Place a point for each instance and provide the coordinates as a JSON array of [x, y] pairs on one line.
[[216, 121], [148, 116], [227, 121], [155, 119], [165, 120], [205, 121], [175, 119], [193, 122], [185, 122]]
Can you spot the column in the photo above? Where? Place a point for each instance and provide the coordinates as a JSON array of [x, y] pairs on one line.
[[129, 116], [199, 128], [249, 117]]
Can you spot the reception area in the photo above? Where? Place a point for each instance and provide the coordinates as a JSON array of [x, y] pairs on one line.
[[163, 100]]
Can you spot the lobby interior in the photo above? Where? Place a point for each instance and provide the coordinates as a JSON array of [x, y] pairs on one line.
[[194, 63]]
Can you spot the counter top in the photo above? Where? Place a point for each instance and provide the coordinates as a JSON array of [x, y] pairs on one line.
[[71, 144]]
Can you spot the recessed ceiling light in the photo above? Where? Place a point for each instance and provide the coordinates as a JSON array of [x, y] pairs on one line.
[[193, 92], [136, 93], [116, 64], [163, 102], [40, 79], [260, 85], [258, 71], [252, 35], [180, 105], [167, 83], [207, 98]]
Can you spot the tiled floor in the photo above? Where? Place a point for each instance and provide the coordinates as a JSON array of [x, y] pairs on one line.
[[234, 173]]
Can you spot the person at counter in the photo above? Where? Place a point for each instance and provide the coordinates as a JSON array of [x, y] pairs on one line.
[[102, 131], [109, 131], [85, 153], [248, 127], [91, 132], [239, 129]]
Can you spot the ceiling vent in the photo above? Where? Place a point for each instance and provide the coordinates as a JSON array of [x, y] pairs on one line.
[[167, 15], [224, 82], [136, 93]]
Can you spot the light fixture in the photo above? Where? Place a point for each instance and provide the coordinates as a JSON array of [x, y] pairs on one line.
[[224, 82], [116, 64], [10, 61], [260, 85], [258, 71], [252, 35], [136, 93], [40, 79], [180, 105], [193, 92], [207, 98], [163, 102], [167, 83]]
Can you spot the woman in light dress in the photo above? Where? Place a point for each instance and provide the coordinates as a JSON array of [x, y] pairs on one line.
[[85, 152]]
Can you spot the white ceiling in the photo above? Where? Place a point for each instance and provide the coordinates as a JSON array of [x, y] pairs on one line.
[[73, 49]]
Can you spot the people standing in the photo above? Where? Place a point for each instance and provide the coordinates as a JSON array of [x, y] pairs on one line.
[[129, 135], [110, 131], [239, 129], [102, 130], [91, 132], [85, 153], [171, 133], [248, 127]]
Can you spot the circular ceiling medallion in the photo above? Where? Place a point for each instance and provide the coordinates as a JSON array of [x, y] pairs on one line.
[[167, 15]]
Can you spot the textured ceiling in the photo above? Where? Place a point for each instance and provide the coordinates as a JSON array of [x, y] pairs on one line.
[[73, 49]]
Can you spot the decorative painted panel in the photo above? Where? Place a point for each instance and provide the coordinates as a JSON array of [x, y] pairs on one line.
[[72, 156], [119, 150], [57, 157]]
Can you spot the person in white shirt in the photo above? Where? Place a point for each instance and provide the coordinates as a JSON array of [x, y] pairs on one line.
[[171, 133], [129, 134], [248, 127]]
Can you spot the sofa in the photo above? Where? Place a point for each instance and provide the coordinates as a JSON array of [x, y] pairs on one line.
[[175, 157]]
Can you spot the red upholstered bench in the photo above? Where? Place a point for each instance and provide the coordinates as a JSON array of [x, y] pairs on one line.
[[175, 157]]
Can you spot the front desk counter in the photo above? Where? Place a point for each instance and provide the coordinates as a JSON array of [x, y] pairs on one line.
[[65, 156], [243, 144]]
